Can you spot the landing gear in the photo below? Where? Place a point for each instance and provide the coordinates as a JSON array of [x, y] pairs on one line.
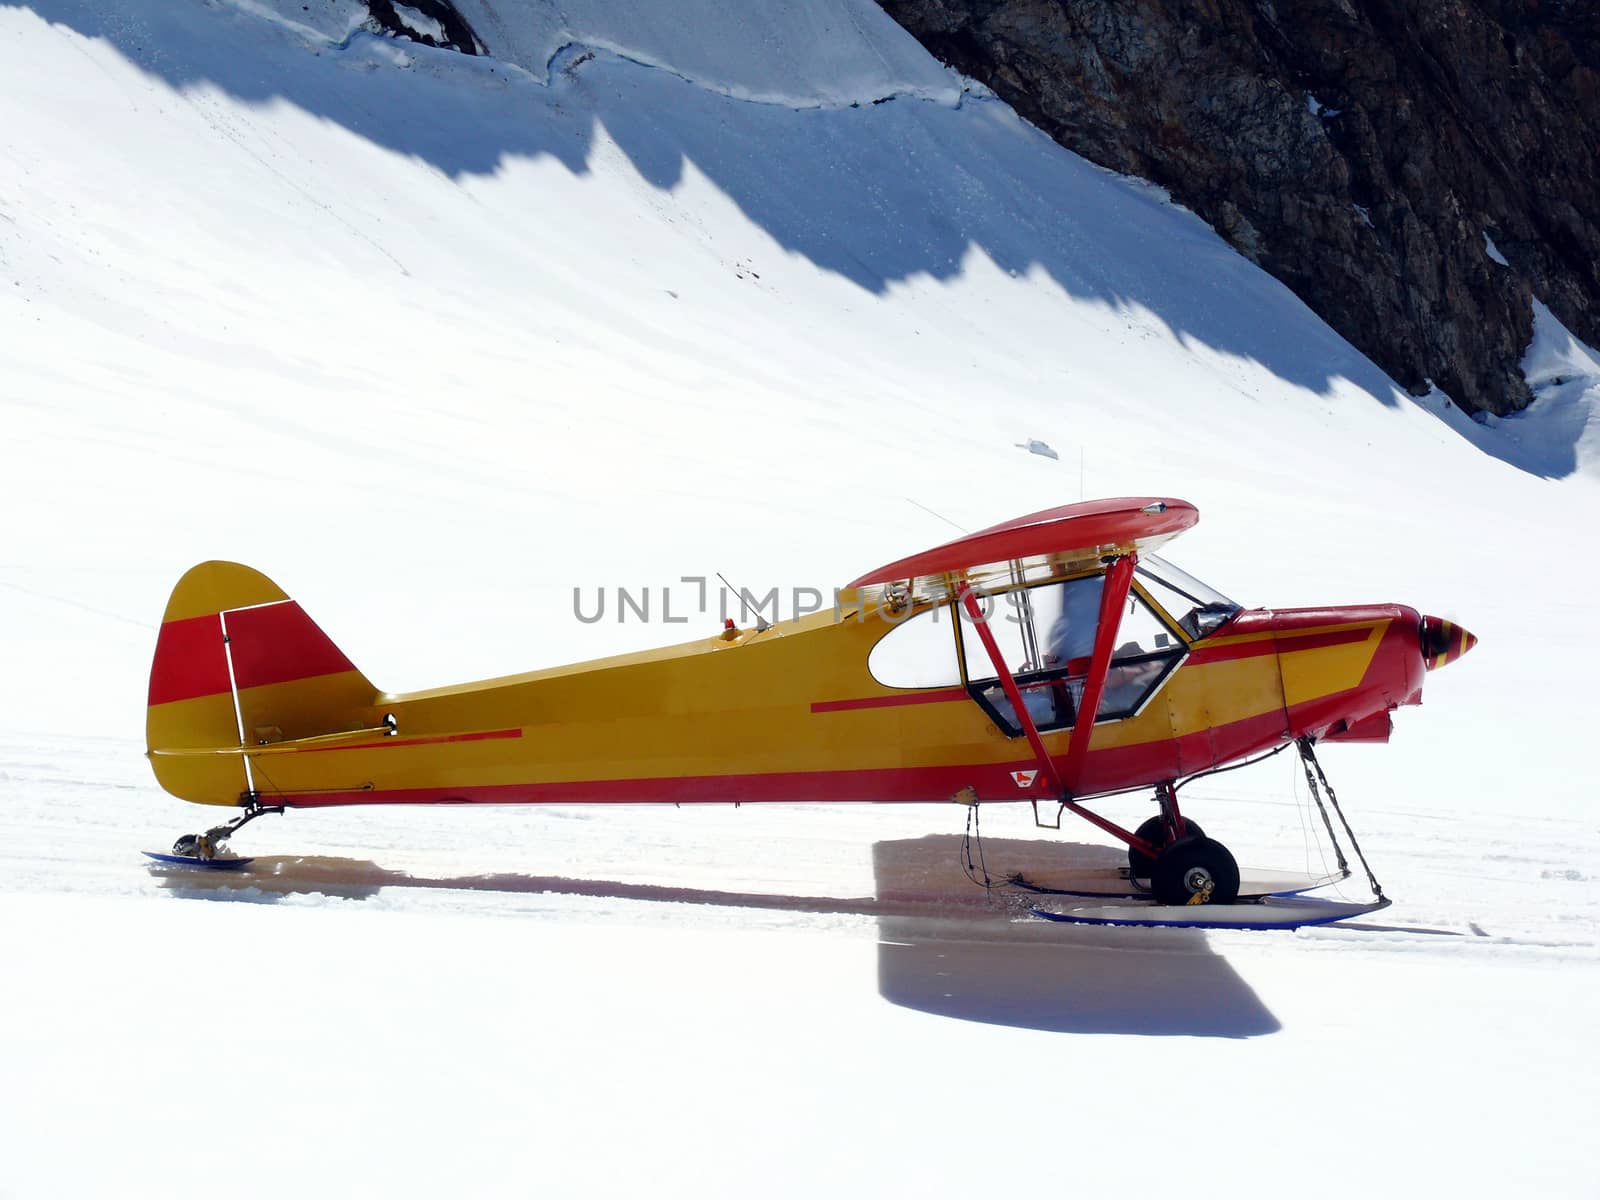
[[1174, 869], [1161, 831], [211, 845], [1158, 833], [1195, 870], [1189, 867], [1186, 870]]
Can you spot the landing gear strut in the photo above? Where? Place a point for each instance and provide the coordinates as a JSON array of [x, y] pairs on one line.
[[1161, 831], [1186, 879], [1188, 867], [210, 844]]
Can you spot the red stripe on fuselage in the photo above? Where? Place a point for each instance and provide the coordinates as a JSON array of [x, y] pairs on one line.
[[883, 785], [190, 661], [1106, 770], [394, 743], [278, 643], [822, 706], [1285, 642]]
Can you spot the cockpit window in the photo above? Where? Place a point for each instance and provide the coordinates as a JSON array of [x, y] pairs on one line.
[[1038, 628], [919, 652], [1147, 650], [1046, 636], [1198, 609]]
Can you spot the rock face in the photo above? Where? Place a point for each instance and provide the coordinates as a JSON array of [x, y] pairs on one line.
[[440, 24], [1377, 156]]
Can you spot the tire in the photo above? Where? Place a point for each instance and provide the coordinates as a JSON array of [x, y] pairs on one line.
[[1184, 868], [1155, 830]]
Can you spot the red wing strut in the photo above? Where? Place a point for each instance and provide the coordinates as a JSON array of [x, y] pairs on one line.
[[969, 601], [1115, 595]]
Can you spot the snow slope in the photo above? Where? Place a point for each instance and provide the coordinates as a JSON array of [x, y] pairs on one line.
[[1565, 377], [435, 341]]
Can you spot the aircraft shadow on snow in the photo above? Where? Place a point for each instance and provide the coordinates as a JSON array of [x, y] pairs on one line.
[[945, 946], [815, 180]]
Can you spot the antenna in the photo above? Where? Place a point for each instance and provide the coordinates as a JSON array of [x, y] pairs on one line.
[[941, 516], [762, 624]]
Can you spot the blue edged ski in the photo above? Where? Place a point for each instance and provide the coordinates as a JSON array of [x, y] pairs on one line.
[[209, 850]]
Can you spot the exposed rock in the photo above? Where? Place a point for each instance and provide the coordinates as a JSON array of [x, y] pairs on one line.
[[442, 25], [1366, 152]]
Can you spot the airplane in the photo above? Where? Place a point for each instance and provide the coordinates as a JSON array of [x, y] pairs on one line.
[[1053, 659]]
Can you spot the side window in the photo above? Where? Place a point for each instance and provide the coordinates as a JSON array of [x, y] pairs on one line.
[[1047, 628], [919, 652], [1045, 635], [1074, 619], [1046, 638], [1142, 632], [1146, 652], [1003, 614]]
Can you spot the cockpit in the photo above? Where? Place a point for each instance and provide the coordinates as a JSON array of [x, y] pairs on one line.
[[1045, 630], [1197, 608]]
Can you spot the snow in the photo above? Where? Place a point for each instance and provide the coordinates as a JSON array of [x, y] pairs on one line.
[[420, 23], [1564, 374], [1493, 251], [1555, 358], [796, 53], [434, 341]]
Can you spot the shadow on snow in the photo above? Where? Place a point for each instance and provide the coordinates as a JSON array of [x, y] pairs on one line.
[[945, 946], [877, 194]]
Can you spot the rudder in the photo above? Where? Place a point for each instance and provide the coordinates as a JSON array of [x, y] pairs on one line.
[[238, 663]]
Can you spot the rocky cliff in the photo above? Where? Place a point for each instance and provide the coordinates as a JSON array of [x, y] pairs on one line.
[[430, 22], [1416, 170]]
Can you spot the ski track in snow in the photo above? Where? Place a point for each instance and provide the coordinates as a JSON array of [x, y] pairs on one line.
[[1458, 877]]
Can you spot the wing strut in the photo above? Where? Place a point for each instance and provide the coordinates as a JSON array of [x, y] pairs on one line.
[[1118, 582], [1047, 766], [1115, 594]]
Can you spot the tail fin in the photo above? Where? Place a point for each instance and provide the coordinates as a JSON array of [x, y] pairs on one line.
[[239, 664]]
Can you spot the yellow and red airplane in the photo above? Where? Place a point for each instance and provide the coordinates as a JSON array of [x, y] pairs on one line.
[[1051, 658]]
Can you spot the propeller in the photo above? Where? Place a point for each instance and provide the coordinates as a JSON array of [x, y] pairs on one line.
[[1443, 642]]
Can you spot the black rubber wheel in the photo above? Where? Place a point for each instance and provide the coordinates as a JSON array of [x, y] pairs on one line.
[[1188, 867], [1155, 830]]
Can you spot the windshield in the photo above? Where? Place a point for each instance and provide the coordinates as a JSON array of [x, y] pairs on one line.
[[1197, 608]]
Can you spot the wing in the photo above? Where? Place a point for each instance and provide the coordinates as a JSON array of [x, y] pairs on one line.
[[1056, 541]]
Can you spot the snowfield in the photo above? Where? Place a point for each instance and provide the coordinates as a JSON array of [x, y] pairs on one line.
[[438, 342]]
